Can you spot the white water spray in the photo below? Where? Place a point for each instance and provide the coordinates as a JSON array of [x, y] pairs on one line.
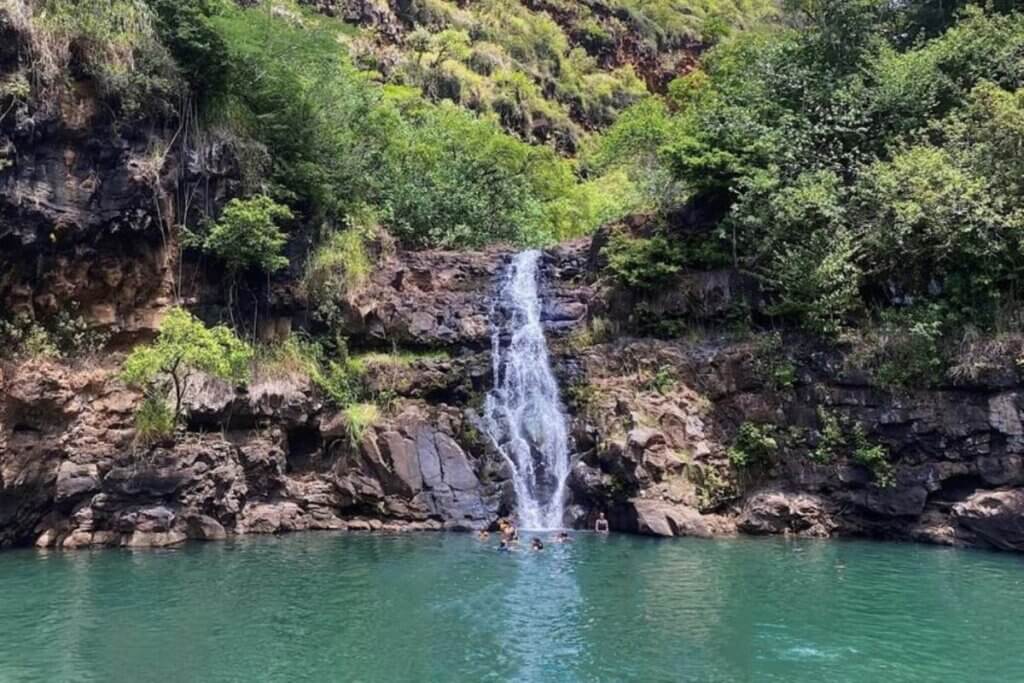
[[524, 413]]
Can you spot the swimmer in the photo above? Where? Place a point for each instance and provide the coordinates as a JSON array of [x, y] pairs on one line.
[[562, 537], [601, 525], [537, 545], [483, 535]]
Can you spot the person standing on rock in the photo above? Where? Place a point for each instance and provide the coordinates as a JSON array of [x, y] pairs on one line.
[[601, 525]]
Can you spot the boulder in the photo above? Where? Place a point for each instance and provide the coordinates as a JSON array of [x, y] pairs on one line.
[[272, 518], [782, 512], [996, 517], [205, 528], [662, 518]]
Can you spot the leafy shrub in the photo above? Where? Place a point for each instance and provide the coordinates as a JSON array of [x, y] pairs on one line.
[[755, 444], [598, 330], [339, 376], [23, 336], [336, 141], [837, 438], [641, 262], [186, 29], [863, 168], [873, 456], [247, 235], [771, 364], [662, 381]]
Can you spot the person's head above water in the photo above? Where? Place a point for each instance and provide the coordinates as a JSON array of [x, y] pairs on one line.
[[537, 544]]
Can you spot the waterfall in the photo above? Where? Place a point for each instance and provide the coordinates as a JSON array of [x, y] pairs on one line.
[[524, 413]]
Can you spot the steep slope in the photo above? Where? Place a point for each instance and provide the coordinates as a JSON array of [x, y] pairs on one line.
[[550, 70]]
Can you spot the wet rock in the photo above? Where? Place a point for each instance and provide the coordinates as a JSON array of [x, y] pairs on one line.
[[780, 512], [271, 518], [662, 518], [154, 539], [890, 502], [204, 528], [997, 517]]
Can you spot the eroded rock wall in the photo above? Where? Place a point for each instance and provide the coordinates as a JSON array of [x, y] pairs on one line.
[[652, 423], [72, 475], [655, 421]]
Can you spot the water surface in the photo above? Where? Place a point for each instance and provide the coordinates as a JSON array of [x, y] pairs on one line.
[[314, 607]]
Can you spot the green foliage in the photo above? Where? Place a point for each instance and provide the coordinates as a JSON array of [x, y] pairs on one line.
[[115, 43], [837, 438], [337, 375], [336, 142], [186, 29], [771, 364], [396, 359], [864, 169], [583, 397], [154, 421], [713, 489], [247, 235], [755, 444], [183, 347], [358, 418], [662, 381], [873, 456], [831, 439], [64, 335], [340, 265], [641, 262], [633, 145], [905, 348], [598, 330], [458, 180], [23, 336]]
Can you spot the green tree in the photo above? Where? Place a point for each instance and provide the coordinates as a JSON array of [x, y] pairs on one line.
[[183, 347], [184, 26], [247, 235]]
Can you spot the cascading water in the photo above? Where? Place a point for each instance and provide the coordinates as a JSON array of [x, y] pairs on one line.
[[524, 414]]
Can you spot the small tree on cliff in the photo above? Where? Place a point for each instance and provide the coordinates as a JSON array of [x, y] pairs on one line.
[[247, 236], [183, 347]]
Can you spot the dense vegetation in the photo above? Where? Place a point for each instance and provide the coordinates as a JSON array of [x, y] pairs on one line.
[[870, 156], [866, 152]]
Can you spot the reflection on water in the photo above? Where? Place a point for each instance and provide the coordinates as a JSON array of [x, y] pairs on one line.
[[449, 608]]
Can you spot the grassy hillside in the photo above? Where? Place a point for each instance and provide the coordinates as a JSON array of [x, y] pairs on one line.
[[551, 70]]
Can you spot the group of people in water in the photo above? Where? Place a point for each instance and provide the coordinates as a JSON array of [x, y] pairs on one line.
[[510, 535]]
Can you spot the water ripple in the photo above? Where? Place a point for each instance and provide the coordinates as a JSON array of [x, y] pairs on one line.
[[449, 608]]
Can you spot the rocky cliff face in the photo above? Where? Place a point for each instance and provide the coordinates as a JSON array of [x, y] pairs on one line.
[[272, 458], [653, 422], [656, 420]]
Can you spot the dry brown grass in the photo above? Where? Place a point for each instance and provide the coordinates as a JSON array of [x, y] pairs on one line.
[[979, 355]]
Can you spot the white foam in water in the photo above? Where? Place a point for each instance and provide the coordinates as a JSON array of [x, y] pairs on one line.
[[524, 412]]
